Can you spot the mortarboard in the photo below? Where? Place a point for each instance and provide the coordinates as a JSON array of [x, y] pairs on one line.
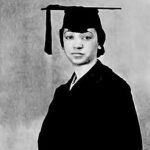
[[76, 18]]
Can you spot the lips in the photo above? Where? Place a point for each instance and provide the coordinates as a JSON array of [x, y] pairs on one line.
[[77, 54]]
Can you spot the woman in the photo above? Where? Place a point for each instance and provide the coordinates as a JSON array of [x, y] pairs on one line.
[[94, 109]]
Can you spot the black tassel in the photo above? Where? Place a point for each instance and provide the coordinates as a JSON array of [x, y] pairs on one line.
[[48, 36]]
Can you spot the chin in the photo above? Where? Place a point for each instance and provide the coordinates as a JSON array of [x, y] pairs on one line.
[[80, 63]]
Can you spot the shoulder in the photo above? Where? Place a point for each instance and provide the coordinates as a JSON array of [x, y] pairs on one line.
[[113, 79], [115, 87], [59, 89]]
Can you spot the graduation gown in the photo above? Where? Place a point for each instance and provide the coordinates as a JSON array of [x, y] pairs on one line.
[[97, 113]]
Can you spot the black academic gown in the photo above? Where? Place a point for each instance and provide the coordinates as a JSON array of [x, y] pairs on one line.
[[97, 113]]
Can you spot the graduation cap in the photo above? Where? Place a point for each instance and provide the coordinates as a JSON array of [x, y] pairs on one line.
[[76, 18]]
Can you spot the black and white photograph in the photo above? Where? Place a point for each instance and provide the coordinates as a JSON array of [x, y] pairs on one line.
[[74, 74]]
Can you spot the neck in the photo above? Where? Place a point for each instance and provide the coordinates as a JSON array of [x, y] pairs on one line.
[[83, 69]]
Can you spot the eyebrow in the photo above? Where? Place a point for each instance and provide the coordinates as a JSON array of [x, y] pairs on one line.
[[78, 32], [89, 32], [67, 30]]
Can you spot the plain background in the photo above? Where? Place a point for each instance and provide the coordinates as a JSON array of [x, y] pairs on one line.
[[28, 76]]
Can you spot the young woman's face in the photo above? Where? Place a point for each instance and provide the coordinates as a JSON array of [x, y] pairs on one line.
[[80, 48]]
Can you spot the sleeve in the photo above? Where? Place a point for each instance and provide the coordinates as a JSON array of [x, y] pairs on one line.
[[129, 121], [46, 133]]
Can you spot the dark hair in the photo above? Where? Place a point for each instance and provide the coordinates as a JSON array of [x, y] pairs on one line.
[[101, 39]]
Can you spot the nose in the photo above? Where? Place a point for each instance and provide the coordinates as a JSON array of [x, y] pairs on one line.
[[78, 44]]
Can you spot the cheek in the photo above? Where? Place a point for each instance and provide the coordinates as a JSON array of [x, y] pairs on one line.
[[92, 47], [67, 46]]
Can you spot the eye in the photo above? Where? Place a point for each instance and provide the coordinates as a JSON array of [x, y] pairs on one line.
[[87, 36], [69, 35]]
